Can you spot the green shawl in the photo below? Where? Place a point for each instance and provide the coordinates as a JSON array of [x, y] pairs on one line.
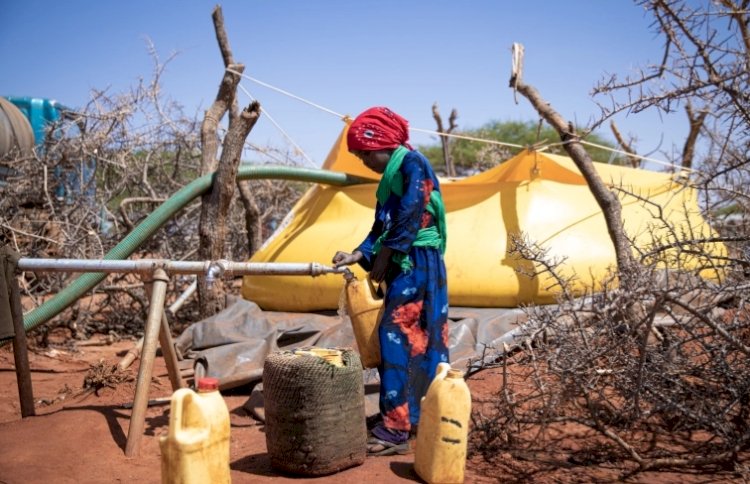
[[392, 181]]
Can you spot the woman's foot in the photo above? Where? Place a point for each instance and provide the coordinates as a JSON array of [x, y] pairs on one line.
[[385, 441], [373, 421], [378, 447]]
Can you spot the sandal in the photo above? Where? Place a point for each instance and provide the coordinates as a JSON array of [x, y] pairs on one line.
[[379, 447]]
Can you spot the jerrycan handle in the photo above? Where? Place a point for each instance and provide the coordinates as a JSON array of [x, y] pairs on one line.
[[375, 288], [176, 410], [442, 371]]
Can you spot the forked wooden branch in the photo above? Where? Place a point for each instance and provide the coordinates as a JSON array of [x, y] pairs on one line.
[[607, 200]]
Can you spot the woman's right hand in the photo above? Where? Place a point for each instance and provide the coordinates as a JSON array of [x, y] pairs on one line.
[[346, 259]]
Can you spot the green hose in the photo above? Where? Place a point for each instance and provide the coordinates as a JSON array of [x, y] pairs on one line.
[[164, 212]]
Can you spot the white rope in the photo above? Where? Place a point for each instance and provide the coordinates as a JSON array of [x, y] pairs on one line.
[[268, 153], [646, 158], [517, 69], [287, 93], [286, 135], [470, 138]]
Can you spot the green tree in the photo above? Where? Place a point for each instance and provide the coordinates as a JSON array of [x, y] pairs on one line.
[[478, 155]]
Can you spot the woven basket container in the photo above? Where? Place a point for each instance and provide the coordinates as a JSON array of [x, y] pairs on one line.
[[315, 412]]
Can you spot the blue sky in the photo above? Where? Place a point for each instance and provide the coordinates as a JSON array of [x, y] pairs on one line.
[[344, 55]]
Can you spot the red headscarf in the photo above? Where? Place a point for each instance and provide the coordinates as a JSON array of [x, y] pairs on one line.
[[377, 128]]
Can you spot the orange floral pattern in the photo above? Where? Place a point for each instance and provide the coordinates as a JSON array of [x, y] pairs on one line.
[[398, 418], [427, 187], [407, 318], [446, 334]]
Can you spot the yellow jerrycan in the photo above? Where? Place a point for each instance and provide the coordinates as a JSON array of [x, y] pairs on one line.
[[440, 454], [365, 309], [196, 449]]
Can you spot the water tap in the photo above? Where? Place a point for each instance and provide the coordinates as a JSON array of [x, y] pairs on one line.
[[215, 270], [348, 274]]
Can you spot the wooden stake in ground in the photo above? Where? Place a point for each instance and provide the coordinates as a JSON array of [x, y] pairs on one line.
[[20, 350]]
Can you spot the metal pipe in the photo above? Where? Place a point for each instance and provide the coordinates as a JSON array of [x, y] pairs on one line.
[[213, 269], [131, 355], [183, 297]]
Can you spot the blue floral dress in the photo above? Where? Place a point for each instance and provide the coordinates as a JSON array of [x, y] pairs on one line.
[[414, 328]]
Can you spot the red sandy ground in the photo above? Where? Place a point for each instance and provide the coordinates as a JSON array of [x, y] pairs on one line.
[[81, 438]]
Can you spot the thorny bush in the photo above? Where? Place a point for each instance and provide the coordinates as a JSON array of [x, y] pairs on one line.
[[655, 373], [657, 376], [101, 170]]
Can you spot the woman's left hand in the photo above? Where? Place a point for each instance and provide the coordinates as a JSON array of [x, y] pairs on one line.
[[380, 266]]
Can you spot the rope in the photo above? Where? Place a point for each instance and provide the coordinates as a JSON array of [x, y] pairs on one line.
[[273, 121], [269, 153], [646, 158], [287, 93], [470, 138], [518, 52], [345, 117]]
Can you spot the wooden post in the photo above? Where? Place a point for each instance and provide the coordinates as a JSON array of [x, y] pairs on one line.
[[145, 371], [167, 345], [170, 355], [20, 351]]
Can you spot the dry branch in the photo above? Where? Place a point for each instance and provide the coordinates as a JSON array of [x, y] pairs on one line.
[[605, 198], [136, 144], [213, 226], [696, 123], [224, 100], [450, 167], [635, 162]]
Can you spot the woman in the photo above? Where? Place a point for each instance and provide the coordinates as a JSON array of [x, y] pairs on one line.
[[405, 249]]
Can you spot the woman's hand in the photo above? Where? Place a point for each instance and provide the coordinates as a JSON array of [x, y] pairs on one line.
[[346, 259], [380, 266]]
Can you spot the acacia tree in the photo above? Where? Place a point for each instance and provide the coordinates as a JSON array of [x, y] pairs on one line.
[[104, 168], [705, 70]]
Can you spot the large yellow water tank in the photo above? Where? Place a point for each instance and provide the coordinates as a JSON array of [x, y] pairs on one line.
[[538, 197]]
